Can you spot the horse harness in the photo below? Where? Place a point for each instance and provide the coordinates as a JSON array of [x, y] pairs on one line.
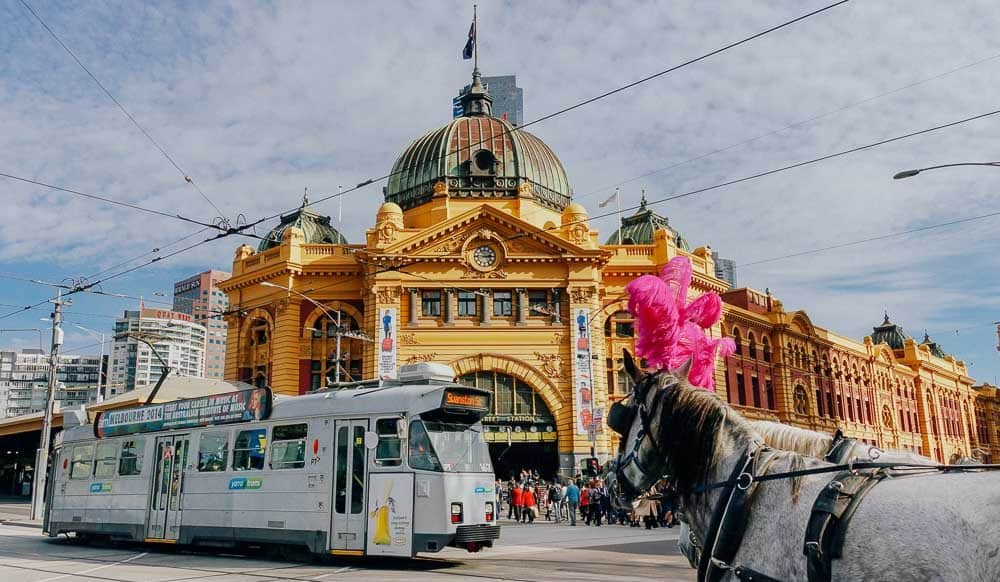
[[827, 526]]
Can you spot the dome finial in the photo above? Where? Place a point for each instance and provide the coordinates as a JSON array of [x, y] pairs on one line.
[[886, 321], [642, 202], [927, 337], [305, 197], [477, 100]]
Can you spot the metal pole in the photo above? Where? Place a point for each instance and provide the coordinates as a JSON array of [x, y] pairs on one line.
[[336, 373], [42, 457], [100, 368]]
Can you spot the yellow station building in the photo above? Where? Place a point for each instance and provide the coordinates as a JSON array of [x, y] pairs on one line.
[[480, 259]]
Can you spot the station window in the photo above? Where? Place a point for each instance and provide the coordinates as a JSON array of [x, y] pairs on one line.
[[131, 459], [431, 303], [503, 303], [288, 448], [538, 303], [213, 450], [388, 454], [466, 303], [82, 464], [248, 451], [107, 458]]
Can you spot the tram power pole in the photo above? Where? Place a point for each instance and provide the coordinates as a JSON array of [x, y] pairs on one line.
[[42, 456]]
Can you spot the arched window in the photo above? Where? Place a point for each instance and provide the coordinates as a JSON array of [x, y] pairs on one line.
[[621, 324], [511, 398], [619, 381], [752, 345], [801, 401], [738, 340], [767, 348], [324, 333], [255, 355]]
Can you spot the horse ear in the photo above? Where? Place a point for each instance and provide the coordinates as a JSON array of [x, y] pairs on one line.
[[630, 366], [838, 435], [683, 370]]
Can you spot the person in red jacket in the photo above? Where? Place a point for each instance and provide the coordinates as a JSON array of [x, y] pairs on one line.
[[517, 501], [529, 505], [585, 504]]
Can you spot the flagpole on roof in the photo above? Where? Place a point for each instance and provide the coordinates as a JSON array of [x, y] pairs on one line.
[[475, 40]]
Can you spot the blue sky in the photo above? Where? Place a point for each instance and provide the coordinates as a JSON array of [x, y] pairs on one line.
[[258, 100]]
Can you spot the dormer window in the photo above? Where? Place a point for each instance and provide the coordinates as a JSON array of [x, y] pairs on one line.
[[483, 163]]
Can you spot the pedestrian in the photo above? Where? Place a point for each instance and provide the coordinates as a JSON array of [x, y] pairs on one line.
[[585, 504], [555, 498], [572, 501], [529, 505], [517, 501], [595, 504], [563, 504], [606, 503]]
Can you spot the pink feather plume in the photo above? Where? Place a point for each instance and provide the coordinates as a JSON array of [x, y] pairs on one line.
[[670, 330]]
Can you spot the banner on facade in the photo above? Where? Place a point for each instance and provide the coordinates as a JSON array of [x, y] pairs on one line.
[[239, 406], [583, 386], [387, 341]]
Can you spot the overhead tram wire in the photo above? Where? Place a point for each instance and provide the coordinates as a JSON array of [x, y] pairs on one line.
[[187, 178], [23, 309], [751, 177], [872, 239], [153, 251], [588, 101], [793, 125]]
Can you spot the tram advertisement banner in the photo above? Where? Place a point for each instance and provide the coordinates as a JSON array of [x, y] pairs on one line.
[[387, 343], [239, 406], [587, 414], [390, 514]]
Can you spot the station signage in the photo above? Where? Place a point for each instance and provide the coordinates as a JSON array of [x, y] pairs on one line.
[[240, 406]]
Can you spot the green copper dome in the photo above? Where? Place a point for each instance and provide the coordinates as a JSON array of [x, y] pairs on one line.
[[638, 229], [889, 333], [315, 228], [478, 156], [932, 346]]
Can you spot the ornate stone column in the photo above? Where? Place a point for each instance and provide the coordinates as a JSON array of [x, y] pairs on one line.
[[522, 306], [449, 306], [414, 318], [556, 300], [487, 312]]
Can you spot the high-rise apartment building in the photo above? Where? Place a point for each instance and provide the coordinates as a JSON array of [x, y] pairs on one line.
[[508, 99], [725, 269], [177, 339], [199, 297], [24, 381]]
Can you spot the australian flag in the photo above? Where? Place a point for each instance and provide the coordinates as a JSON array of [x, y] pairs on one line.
[[470, 45]]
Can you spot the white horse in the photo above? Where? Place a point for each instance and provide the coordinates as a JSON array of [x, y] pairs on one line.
[[691, 435], [833, 448]]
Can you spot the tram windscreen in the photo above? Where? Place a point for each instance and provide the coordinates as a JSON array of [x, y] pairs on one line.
[[456, 447]]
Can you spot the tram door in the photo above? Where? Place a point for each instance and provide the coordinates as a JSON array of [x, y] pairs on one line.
[[164, 519], [349, 479]]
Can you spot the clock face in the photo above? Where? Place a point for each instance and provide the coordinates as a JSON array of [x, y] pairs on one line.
[[484, 256]]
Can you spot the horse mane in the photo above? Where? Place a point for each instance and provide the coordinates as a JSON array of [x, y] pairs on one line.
[[791, 438], [689, 426]]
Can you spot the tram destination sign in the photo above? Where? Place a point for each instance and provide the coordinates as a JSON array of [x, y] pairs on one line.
[[466, 399], [239, 406]]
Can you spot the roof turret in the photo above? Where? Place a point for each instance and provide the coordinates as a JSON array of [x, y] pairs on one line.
[[316, 229]]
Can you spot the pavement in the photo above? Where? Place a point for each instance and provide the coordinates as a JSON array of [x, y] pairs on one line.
[[539, 552]]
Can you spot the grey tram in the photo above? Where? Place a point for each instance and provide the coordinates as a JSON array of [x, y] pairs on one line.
[[391, 468]]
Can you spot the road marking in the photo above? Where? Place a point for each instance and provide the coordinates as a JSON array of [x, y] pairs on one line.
[[118, 563], [321, 576]]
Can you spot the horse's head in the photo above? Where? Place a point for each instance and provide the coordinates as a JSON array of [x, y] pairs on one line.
[[641, 459]]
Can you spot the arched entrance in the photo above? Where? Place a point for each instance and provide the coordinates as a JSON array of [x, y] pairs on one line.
[[520, 429]]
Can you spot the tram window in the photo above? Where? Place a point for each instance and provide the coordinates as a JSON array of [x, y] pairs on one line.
[[288, 448], [107, 458], [131, 459], [421, 454], [83, 462], [213, 450], [388, 454], [248, 451]]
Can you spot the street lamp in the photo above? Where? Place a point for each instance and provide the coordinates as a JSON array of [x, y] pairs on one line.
[[100, 361], [911, 173], [340, 330]]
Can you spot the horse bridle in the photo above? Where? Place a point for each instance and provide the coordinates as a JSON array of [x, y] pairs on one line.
[[620, 419]]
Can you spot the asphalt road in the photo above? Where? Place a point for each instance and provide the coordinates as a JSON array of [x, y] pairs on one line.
[[529, 553]]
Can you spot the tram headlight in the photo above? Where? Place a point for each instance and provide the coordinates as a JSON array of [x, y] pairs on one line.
[[489, 511], [456, 513]]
